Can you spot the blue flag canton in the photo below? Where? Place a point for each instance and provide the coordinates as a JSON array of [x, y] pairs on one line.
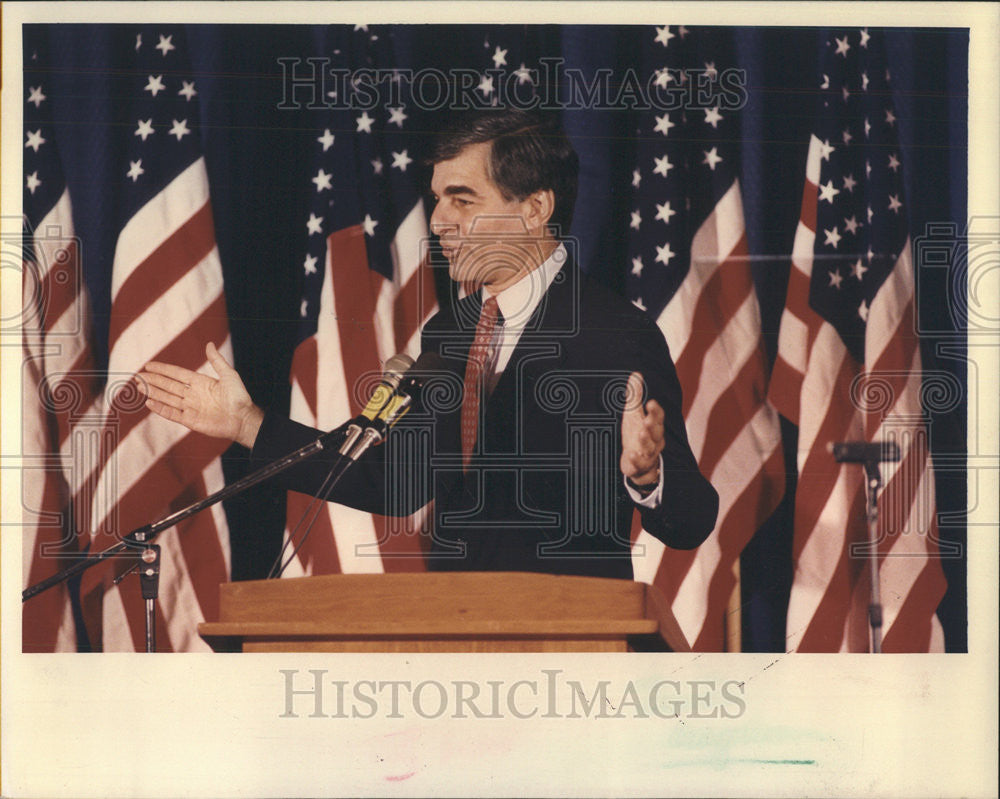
[[687, 154], [43, 180], [366, 169], [159, 111], [861, 223]]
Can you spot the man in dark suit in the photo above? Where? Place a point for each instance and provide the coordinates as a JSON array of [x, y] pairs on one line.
[[540, 463]]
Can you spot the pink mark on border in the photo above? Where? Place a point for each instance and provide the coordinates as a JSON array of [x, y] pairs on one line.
[[401, 777]]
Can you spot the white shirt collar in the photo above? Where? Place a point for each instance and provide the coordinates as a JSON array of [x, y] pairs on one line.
[[518, 301]]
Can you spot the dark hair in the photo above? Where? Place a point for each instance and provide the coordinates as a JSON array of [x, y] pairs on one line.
[[530, 152]]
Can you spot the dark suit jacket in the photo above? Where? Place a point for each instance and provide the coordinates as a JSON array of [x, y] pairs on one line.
[[544, 491]]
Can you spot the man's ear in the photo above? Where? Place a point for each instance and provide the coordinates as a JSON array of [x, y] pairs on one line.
[[538, 209]]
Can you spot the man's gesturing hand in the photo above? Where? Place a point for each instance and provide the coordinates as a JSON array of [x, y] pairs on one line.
[[221, 407], [642, 435]]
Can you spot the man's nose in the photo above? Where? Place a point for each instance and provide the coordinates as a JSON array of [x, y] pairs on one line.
[[440, 223]]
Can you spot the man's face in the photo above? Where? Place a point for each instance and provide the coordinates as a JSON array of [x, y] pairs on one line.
[[486, 238]]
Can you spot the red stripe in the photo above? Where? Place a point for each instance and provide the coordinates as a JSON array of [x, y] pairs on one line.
[[201, 548], [305, 363], [895, 503], [401, 543], [415, 302], [810, 200], [785, 390], [755, 504], [720, 298], [355, 297], [83, 383], [165, 266], [911, 630], [733, 410]]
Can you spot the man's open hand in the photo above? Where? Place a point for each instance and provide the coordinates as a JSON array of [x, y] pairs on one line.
[[221, 407], [642, 435]]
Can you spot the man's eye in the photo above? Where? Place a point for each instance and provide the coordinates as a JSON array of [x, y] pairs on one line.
[[460, 201]]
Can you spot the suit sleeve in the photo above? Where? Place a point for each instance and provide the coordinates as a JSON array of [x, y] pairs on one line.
[[364, 486], [689, 504]]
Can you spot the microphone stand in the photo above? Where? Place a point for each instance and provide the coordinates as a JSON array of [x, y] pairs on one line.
[[873, 480], [148, 554]]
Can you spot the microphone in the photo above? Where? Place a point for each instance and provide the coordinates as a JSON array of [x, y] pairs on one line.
[[864, 452], [406, 396], [392, 373]]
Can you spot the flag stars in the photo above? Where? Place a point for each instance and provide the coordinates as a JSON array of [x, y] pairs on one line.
[[138, 41], [155, 85], [397, 116], [843, 47], [868, 168], [836, 279], [314, 224], [637, 302], [845, 93], [369, 225], [663, 35], [890, 118], [865, 36], [833, 237], [187, 90], [33, 182], [486, 85], [637, 266], [850, 183], [310, 264], [851, 225], [401, 160], [322, 181], [166, 45], [664, 212], [179, 129], [663, 124], [870, 214], [636, 178], [663, 77], [326, 139], [893, 162], [135, 169], [825, 84], [713, 117], [304, 309], [145, 129], [364, 123], [377, 166], [35, 139], [863, 311], [868, 127], [664, 254], [846, 136], [712, 158], [859, 269], [36, 96], [894, 203], [523, 74], [828, 192], [499, 58], [636, 220], [864, 81], [825, 149], [663, 165]]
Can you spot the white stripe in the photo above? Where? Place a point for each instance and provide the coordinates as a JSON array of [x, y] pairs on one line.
[[646, 554], [157, 221], [813, 160], [817, 389], [713, 243], [299, 409], [793, 341], [802, 249], [887, 308], [409, 244], [382, 322], [168, 317]]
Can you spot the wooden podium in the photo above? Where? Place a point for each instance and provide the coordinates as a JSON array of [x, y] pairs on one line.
[[443, 612]]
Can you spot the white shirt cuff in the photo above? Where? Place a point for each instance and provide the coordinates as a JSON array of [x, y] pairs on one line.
[[652, 499]]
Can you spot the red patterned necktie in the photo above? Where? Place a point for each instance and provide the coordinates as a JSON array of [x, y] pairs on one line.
[[478, 354]]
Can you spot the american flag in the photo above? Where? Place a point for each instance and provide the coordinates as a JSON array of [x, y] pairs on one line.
[[58, 377], [689, 269], [849, 367], [166, 302], [367, 289]]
